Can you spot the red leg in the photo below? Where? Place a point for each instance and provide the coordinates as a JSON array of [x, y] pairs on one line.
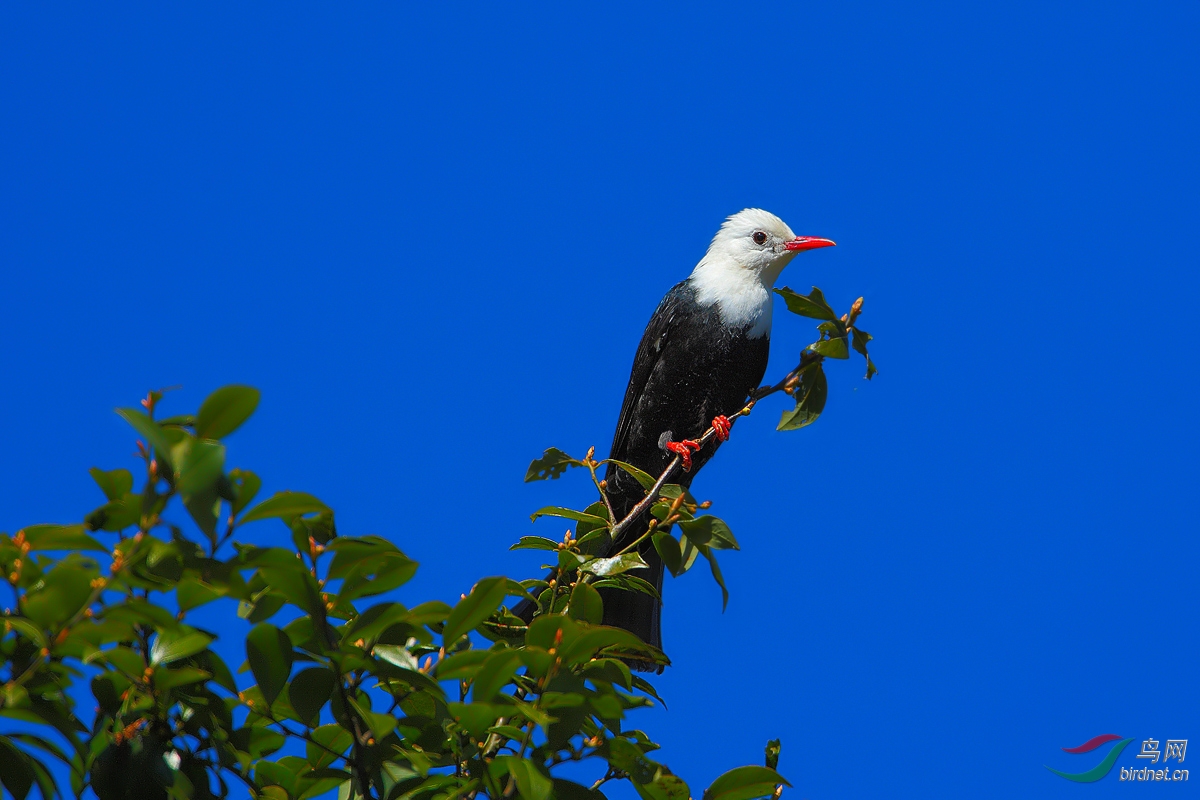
[[721, 426], [684, 451]]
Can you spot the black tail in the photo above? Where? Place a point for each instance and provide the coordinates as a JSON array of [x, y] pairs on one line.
[[636, 612]]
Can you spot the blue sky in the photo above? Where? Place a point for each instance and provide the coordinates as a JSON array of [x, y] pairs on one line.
[[432, 239]]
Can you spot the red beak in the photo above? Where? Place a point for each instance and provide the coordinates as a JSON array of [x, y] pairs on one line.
[[809, 243]]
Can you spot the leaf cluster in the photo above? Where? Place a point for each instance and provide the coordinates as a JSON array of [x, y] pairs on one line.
[[343, 686], [583, 561], [807, 383]]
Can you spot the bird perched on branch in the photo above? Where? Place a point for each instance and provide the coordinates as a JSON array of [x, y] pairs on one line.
[[703, 352]]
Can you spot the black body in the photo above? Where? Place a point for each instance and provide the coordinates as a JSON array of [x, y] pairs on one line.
[[688, 369]]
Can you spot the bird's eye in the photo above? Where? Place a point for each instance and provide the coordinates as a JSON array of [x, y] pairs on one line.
[[760, 237]]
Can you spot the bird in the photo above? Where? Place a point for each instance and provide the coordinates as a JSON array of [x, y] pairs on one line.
[[702, 353]]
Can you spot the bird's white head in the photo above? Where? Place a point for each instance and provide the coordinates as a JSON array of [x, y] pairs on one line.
[[742, 263]]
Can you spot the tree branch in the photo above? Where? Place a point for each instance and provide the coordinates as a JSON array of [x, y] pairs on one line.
[[807, 359]]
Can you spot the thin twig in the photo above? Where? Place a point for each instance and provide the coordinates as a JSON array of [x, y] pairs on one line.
[[608, 776], [591, 465]]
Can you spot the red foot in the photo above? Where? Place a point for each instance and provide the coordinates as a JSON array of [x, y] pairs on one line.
[[721, 426], [684, 450]]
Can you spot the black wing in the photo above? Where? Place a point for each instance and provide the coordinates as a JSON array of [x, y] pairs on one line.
[[677, 302]]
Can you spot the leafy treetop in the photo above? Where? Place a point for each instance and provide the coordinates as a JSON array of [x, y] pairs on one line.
[[352, 691]]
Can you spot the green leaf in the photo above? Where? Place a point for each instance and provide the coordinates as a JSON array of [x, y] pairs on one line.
[[567, 513], [140, 612], [115, 483], [165, 679], [193, 593], [586, 605], [27, 629], [531, 783], [264, 606], [245, 488], [318, 527], [627, 582], [295, 583], [380, 574], [60, 537], [271, 775], [831, 348], [16, 773], [629, 758], [773, 754], [149, 429], [859, 341], [743, 783], [476, 718], [204, 506], [462, 666], [833, 330], [320, 782], [223, 411], [285, 504], [309, 691], [198, 463], [646, 480], [63, 592], [593, 538], [46, 746], [716, 573], [544, 631], [173, 645], [550, 466], [668, 547], [326, 738], [709, 530], [431, 612], [116, 515], [269, 651], [256, 741], [690, 551], [396, 655], [569, 560], [569, 790], [648, 688], [606, 567], [494, 674], [349, 552], [812, 305], [666, 786], [534, 543], [474, 608], [592, 640], [375, 620], [810, 395], [610, 670]]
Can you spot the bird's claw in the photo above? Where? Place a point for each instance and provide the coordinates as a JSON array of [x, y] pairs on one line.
[[721, 426], [684, 450]]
